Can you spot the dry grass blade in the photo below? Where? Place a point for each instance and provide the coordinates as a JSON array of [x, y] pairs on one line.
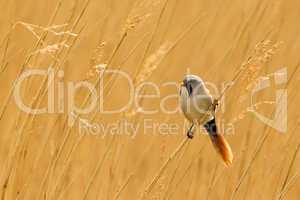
[[12, 152], [259, 146], [163, 167], [185, 173], [283, 187], [289, 185], [174, 175], [152, 37], [4, 63], [118, 194], [100, 155], [97, 169]]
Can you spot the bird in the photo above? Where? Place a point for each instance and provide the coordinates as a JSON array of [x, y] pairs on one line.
[[199, 107]]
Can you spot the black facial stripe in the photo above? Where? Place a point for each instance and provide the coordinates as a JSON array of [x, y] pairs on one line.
[[190, 89]]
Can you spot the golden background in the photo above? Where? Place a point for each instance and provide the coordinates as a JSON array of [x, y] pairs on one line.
[[159, 41]]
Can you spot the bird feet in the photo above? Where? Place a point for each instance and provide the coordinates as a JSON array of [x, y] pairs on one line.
[[190, 134], [215, 104]]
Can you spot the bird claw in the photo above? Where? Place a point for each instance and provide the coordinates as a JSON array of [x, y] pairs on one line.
[[190, 134], [215, 104]]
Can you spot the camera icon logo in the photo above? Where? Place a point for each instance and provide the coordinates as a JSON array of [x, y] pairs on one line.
[[279, 119]]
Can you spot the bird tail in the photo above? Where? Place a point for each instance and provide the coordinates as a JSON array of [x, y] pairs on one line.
[[219, 142], [223, 148]]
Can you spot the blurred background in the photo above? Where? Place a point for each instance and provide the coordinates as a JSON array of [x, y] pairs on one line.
[[46, 156]]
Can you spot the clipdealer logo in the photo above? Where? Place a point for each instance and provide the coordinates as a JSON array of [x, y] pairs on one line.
[[61, 97], [279, 80]]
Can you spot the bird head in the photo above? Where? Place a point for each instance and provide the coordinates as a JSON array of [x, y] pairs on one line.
[[193, 84]]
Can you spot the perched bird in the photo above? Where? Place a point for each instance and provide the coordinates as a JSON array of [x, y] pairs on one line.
[[199, 107]]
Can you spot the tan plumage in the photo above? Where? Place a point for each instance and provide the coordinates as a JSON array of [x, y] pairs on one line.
[[222, 147]]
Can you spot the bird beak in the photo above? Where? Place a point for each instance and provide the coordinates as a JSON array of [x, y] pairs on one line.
[[181, 83]]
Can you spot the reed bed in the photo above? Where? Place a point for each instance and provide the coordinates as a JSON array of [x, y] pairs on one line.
[[231, 44]]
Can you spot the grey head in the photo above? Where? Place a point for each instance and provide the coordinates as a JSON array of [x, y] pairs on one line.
[[193, 84]]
